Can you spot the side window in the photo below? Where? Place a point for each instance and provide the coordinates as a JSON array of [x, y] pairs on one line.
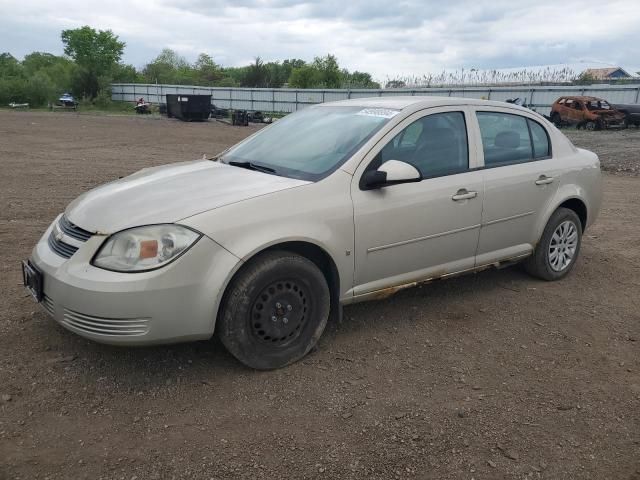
[[540, 140], [435, 144], [505, 138], [410, 135]]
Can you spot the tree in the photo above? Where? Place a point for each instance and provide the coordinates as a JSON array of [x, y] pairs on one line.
[[208, 72], [125, 74], [395, 84], [306, 76], [9, 66], [330, 75], [168, 67], [586, 78], [96, 52], [256, 74], [358, 80]]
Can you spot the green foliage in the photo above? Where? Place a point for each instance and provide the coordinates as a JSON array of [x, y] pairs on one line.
[[95, 52], [40, 89], [395, 84], [306, 76], [358, 80], [12, 89], [329, 71], [257, 75], [126, 74], [325, 72], [170, 68], [586, 78], [92, 62], [36, 80], [9, 66], [103, 99]]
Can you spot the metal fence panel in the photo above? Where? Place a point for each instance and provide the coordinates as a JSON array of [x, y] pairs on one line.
[[289, 100], [432, 93], [331, 96], [616, 96], [263, 95]]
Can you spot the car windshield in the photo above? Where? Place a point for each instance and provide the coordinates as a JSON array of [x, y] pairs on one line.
[[311, 143]]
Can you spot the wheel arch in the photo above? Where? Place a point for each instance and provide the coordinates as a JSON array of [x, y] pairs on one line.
[[313, 252], [579, 207], [568, 199]]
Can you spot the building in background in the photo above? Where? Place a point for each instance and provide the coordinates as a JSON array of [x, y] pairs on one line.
[[610, 73]]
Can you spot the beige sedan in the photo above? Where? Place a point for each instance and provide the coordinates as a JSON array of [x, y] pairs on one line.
[[335, 204]]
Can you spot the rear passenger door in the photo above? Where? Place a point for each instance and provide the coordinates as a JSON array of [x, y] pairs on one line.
[[520, 180]]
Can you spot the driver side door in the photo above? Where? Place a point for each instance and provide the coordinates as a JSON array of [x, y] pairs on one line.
[[415, 231]]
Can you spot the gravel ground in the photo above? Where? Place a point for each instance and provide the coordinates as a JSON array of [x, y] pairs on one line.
[[619, 150], [489, 376]]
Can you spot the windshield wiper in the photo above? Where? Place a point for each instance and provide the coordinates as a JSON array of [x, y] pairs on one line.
[[252, 166]]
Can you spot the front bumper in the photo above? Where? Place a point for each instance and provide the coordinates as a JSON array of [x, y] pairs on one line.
[[175, 303]]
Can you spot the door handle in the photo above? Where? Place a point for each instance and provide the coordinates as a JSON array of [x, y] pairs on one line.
[[544, 180], [464, 194]]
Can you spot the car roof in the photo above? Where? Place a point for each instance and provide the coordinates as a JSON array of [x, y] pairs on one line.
[[398, 102]]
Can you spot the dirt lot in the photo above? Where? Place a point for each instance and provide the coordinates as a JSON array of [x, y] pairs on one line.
[[488, 376]]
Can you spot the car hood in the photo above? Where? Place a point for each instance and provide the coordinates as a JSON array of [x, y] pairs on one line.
[[170, 193]]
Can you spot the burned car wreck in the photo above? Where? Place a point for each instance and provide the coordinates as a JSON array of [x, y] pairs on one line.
[[590, 113]]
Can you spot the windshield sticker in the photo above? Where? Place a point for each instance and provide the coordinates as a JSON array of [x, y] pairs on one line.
[[379, 112]]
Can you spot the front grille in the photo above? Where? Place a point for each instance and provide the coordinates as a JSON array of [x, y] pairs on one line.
[[63, 249], [73, 230], [105, 326], [65, 228]]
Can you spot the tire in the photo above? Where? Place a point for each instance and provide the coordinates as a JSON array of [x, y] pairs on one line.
[[274, 311], [556, 120], [542, 263]]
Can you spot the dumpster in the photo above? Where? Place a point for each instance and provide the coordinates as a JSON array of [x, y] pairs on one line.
[[188, 107]]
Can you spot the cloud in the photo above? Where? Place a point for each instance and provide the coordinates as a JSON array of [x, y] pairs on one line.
[[406, 37]]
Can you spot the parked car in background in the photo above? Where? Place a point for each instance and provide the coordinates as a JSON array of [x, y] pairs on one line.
[[590, 113], [631, 112], [334, 204]]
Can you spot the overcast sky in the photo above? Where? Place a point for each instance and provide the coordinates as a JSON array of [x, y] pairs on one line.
[[384, 37]]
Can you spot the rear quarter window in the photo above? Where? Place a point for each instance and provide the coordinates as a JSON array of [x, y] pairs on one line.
[[540, 140]]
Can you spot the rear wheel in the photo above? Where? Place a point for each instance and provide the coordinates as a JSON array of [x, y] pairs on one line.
[[274, 311], [558, 248]]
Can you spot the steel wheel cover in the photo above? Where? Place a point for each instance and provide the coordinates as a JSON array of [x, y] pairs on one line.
[[279, 312]]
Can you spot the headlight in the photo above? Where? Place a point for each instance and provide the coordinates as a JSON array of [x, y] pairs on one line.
[[144, 248]]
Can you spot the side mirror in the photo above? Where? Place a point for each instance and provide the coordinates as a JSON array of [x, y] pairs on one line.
[[391, 172]]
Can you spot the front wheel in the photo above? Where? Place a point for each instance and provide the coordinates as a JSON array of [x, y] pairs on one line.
[[558, 248], [274, 310]]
